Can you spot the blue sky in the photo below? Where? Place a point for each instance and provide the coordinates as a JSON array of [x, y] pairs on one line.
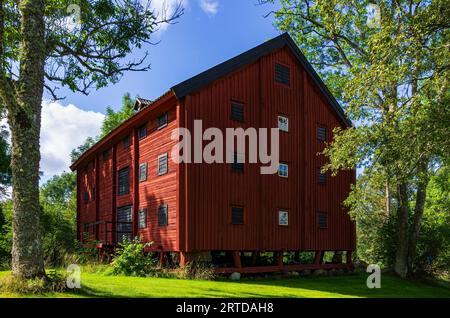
[[210, 32]]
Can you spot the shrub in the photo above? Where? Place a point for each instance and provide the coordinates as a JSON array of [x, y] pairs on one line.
[[52, 282], [196, 270], [130, 259]]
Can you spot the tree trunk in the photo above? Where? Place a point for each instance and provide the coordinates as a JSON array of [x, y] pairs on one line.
[[24, 119], [418, 214], [388, 198], [401, 257]]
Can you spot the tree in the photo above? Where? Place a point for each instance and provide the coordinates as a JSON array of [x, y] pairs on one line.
[[78, 151], [114, 119], [40, 50], [58, 201], [110, 122], [392, 74], [5, 163]]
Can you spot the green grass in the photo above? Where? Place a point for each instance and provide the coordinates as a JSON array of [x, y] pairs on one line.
[[100, 285]]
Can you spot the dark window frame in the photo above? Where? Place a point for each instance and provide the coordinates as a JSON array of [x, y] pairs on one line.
[[164, 123], [86, 196], [278, 122], [142, 131], [166, 171], [142, 214], [321, 177], [282, 74], [287, 169], [105, 155], [164, 222], [126, 187], [279, 213], [322, 133], [237, 111], [141, 166], [322, 220], [126, 141], [235, 165], [236, 219]]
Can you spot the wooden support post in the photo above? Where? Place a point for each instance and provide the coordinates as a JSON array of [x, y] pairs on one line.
[[237, 259], [184, 259], [318, 257], [162, 259], [297, 256], [280, 259], [349, 257], [255, 258]]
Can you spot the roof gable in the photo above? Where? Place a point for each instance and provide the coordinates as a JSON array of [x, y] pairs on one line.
[[207, 77]]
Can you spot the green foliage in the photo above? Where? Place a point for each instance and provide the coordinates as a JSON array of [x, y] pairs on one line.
[[376, 229], [81, 149], [131, 259], [5, 234], [110, 122], [114, 119], [5, 162], [393, 80], [58, 201], [53, 282], [434, 244]]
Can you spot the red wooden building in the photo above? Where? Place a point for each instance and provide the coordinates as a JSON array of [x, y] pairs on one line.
[[128, 184]]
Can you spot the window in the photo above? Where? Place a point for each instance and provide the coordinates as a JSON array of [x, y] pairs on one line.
[[105, 155], [282, 74], [142, 132], [123, 183], [321, 133], [237, 111], [86, 232], [86, 196], [237, 215], [321, 177], [322, 220], [283, 218], [238, 162], [283, 170], [143, 218], [162, 164], [283, 123], [162, 120], [126, 142], [143, 172], [163, 215]]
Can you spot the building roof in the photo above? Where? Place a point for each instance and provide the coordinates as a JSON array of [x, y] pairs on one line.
[[195, 83], [141, 103]]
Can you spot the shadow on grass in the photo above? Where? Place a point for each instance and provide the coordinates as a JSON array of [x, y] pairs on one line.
[[355, 285]]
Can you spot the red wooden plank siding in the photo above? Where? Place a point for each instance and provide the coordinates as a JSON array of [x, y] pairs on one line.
[[159, 189], [213, 189], [200, 196]]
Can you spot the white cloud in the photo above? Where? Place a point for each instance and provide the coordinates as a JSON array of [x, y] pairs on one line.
[[210, 7], [63, 129], [165, 9]]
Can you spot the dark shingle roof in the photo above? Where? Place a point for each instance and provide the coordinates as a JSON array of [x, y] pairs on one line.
[[195, 83]]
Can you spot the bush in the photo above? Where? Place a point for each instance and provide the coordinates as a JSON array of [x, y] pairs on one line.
[[53, 282], [130, 259], [196, 270]]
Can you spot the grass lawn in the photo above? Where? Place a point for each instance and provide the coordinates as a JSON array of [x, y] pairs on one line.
[[100, 285]]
